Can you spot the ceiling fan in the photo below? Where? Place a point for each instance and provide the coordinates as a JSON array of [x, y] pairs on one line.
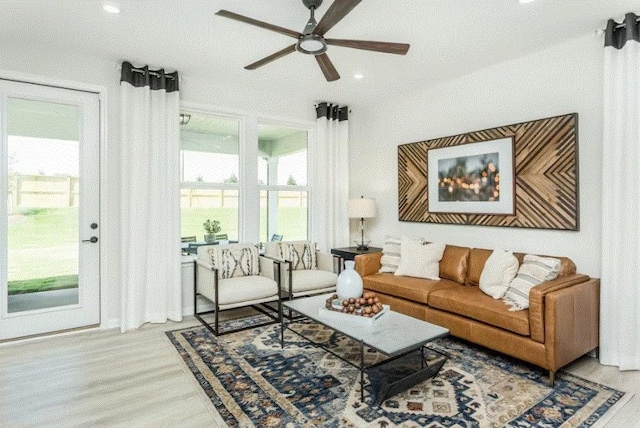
[[312, 41]]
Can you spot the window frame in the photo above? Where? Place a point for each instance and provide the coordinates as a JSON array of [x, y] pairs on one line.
[[219, 186], [249, 190], [284, 187]]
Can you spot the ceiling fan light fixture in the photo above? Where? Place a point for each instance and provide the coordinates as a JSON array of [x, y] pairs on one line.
[[311, 44]]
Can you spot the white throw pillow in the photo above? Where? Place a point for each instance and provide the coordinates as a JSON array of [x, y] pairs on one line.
[[390, 259], [419, 259], [534, 270], [498, 272]]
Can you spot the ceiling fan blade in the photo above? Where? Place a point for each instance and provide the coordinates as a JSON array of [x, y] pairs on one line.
[[330, 72], [272, 57], [338, 10], [392, 48], [251, 21]]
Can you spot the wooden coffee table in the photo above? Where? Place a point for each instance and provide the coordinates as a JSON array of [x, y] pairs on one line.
[[399, 337]]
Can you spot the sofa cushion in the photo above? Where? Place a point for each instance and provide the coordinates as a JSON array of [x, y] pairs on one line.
[[471, 302], [533, 271], [477, 258], [454, 263], [414, 289], [499, 270], [420, 260], [390, 254]]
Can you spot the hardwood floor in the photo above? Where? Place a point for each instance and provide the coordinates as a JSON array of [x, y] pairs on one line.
[[105, 378]]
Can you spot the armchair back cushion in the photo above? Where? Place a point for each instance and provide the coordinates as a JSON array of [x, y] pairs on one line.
[[233, 261]]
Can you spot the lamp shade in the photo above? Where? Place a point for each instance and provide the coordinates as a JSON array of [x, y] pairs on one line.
[[362, 208]]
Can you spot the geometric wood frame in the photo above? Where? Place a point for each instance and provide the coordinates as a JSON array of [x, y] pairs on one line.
[[546, 176]]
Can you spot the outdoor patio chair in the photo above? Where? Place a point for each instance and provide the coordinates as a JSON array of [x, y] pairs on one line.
[[234, 276]]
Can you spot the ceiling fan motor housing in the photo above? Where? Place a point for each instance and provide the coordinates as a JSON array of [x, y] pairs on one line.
[[312, 3]]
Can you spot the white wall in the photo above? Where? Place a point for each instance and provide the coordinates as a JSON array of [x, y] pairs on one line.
[[563, 79], [66, 69]]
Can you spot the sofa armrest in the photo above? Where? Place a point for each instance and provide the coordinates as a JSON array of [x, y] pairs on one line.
[[572, 322], [368, 264], [537, 301]]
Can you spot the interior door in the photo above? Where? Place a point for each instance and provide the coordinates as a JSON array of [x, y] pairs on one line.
[[49, 225]]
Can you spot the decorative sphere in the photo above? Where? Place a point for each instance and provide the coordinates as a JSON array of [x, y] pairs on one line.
[[349, 284]]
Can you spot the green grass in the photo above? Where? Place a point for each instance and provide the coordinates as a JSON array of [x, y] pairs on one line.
[[43, 284], [43, 255], [42, 227], [292, 222]]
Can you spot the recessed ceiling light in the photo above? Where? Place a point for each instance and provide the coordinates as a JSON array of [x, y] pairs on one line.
[[110, 7], [358, 76], [525, 1]]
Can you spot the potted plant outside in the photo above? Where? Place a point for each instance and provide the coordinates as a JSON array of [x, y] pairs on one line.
[[211, 227]]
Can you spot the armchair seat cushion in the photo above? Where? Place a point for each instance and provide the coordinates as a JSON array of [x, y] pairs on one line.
[[241, 289], [309, 280]]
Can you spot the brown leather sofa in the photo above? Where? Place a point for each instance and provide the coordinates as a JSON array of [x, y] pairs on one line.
[[560, 325]]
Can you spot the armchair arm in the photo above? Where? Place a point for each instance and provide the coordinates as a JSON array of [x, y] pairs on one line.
[[206, 281], [327, 261], [368, 264], [268, 266], [537, 297]]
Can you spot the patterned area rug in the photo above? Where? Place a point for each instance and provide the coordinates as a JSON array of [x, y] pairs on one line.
[[251, 381]]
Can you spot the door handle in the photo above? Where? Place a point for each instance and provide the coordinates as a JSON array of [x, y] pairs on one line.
[[93, 240]]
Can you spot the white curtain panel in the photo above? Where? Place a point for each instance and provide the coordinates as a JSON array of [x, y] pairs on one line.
[[620, 282], [330, 175], [150, 198]]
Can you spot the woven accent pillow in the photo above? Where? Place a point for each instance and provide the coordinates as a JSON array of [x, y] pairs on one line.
[[498, 272], [533, 271], [390, 259], [419, 259], [233, 262], [302, 255]]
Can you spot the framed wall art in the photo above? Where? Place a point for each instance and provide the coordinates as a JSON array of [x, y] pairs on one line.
[[473, 178], [521, 175]]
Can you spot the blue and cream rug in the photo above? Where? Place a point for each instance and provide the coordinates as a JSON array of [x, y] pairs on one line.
[[251, 381]]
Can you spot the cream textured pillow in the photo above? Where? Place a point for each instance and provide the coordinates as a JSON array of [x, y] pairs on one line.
[[390, 259], [232, 262], [498, 272], [302, 255], [534, 270], [419, 259]]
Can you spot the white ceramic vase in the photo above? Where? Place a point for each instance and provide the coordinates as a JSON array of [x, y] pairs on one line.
[[349, 282]]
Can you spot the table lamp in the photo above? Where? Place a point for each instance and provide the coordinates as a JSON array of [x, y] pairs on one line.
[[362, 208]]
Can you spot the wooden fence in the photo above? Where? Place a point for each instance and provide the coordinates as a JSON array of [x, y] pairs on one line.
[[42, 191]]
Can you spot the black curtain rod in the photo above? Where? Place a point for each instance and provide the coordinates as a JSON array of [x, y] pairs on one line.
[[621, 25], [153, 73]]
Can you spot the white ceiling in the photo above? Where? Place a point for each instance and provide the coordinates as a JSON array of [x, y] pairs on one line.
[[448, 38]]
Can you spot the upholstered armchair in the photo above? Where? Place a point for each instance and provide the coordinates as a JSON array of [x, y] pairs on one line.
[[305, 271], [234, 276]]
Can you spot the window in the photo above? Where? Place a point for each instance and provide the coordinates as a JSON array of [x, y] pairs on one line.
[[210, 174], [282, 179]]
